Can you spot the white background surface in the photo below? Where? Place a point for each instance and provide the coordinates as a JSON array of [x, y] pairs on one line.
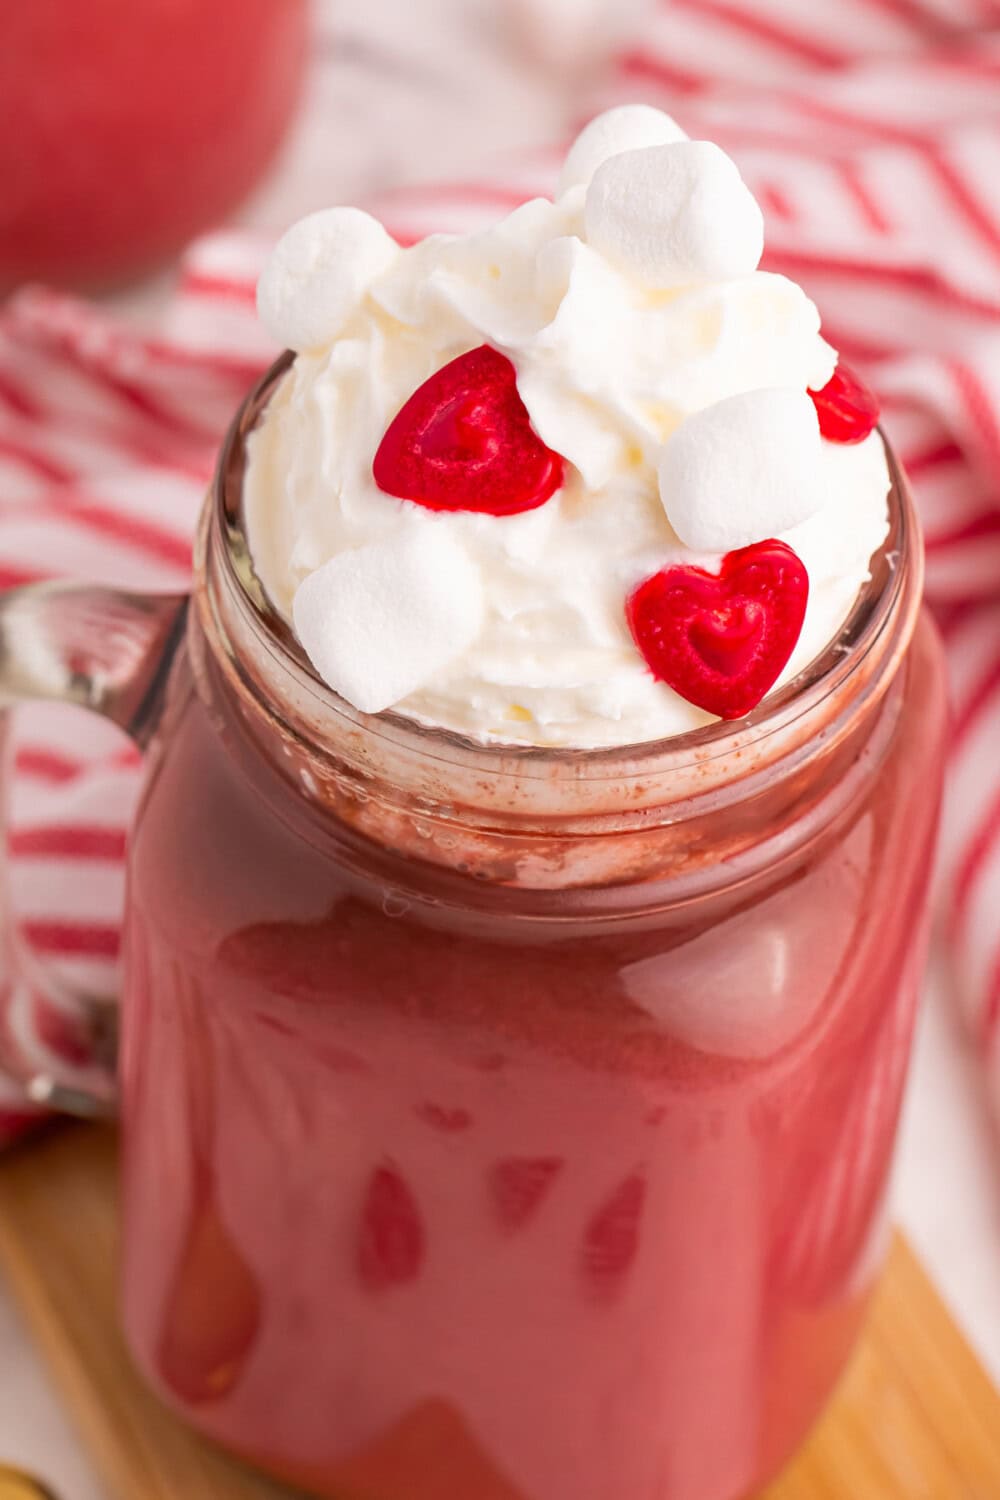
[[401, 92]]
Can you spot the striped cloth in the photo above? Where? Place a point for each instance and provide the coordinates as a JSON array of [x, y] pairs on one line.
[[870, 132]]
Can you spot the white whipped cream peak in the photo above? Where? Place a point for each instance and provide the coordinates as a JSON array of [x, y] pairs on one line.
[[743, 469], [513, 627]]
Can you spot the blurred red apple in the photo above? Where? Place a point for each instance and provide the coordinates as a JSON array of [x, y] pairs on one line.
[[128, 125]]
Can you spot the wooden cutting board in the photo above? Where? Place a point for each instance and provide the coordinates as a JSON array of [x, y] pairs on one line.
[[915, 1419]]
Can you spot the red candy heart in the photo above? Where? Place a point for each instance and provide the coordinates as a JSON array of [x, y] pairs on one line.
[[721, 639], [847, 409], [464, 441], [391, 1245]]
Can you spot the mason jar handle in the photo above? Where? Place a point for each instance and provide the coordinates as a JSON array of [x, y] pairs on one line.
[[108, 651]]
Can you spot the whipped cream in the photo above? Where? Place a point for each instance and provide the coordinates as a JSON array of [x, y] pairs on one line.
[[674, 393]]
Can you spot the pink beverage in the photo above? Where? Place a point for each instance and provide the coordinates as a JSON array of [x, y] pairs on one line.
[[527, 903], [501, 1126], [128, 126]]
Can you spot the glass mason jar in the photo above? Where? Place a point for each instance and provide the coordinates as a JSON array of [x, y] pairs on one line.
[[502, 1122]]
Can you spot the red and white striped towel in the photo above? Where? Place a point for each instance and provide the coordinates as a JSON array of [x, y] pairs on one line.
[[870, 132]]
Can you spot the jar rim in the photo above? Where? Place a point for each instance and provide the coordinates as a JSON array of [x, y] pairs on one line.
[[897, 563]]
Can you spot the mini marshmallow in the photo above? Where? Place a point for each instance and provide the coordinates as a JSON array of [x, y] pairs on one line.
[[674, 213], [626, 128], [379, 622], [743, 470], [317, 274]]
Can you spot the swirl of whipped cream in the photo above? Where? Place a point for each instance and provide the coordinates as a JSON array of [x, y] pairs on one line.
[[534, 647]]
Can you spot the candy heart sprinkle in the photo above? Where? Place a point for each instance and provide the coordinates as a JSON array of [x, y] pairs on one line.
[[847, 409], [464, 441], [722, 639]]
